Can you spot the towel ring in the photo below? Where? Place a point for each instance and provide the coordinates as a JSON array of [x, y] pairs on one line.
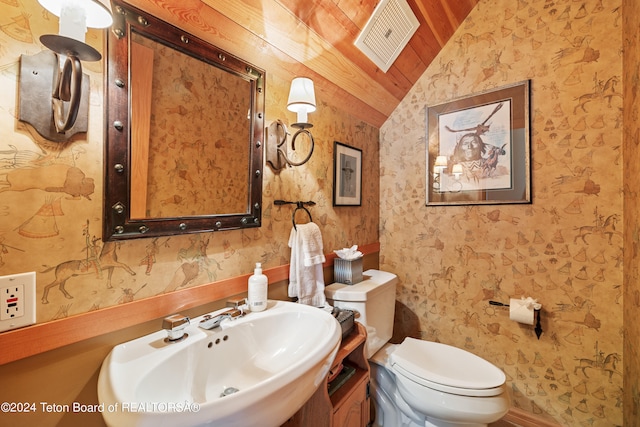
[[299, 205], [293, 216]]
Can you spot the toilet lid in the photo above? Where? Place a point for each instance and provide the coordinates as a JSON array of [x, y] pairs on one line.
[[446, 368]]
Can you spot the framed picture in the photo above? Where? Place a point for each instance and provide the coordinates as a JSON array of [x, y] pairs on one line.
[[347, 175], [478, 148]]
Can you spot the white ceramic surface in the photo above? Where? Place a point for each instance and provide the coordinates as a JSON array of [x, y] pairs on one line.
[[404, 399], [276, 359], [446, 368]]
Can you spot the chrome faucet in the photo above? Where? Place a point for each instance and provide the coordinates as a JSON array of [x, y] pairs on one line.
[[210, 322], [236, 310]]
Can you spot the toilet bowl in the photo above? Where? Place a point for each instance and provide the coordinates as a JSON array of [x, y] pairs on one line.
[[438, 385], [419, 383], [389, 408]]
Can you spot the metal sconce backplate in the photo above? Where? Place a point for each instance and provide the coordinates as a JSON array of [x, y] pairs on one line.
[[276, 138], [38, 78]]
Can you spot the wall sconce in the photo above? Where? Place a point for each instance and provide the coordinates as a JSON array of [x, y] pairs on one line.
[[54, 99], [302, 101]]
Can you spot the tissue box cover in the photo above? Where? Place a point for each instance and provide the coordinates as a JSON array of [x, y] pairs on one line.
[[348, 272]]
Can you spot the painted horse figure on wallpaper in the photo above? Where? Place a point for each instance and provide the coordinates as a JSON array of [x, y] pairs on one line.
[[107, 260], [604, 90], [604, 227], [445, 275], [606, 364], [446, 72]]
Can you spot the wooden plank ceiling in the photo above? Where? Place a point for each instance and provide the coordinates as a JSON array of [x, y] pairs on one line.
[[316, 38]]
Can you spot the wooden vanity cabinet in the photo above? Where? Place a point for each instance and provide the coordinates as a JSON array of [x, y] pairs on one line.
[[348, 405]]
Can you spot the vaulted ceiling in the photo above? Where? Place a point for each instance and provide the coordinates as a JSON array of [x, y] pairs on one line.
[[316, 38]]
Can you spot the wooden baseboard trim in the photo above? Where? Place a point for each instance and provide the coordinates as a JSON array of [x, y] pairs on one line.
[[39, 338], [523, 418]]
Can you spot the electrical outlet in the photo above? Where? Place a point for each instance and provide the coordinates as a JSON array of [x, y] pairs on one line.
[[12, 303], [17, 300]]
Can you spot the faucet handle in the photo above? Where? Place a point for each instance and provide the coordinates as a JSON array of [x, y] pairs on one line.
[[236, 302], [175, 326], [234, 313]]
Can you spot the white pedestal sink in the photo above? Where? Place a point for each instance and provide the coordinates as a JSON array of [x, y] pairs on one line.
[[257, 370]]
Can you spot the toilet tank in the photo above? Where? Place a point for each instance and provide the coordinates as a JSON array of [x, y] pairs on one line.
[[373, 300]]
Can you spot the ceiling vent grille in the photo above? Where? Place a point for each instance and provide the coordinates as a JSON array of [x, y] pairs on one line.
[[387, 32]]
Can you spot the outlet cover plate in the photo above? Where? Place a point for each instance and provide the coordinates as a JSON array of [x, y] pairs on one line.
[[17, 300]]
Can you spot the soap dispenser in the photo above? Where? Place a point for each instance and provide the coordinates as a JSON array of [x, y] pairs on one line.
[[257, 291]]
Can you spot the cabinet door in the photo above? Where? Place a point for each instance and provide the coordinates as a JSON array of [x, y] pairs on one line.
[[354, 410]]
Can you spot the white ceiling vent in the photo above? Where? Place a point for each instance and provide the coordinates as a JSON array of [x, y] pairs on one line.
[[387, 32]]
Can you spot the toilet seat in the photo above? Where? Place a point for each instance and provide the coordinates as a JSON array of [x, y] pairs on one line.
[[446, 368]]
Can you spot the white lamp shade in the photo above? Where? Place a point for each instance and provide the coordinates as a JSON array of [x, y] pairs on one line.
[[302, 97], [97, 12], [457, 169], [440, 164]]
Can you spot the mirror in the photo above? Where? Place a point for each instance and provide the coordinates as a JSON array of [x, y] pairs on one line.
[[185, 125]]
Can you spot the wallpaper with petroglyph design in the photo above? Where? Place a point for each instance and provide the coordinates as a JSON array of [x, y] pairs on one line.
[[631, 40], [51, 197], [565, 249]]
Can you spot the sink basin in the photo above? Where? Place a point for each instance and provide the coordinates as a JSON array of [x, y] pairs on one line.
[[256, 370]]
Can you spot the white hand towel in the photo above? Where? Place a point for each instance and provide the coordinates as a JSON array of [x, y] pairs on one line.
[[306, 280]]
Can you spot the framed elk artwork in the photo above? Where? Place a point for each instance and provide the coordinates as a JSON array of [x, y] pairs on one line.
[[478, 148]]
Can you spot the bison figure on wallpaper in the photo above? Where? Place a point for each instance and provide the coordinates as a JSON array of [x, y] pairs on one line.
[[578, 53], [467, 253], [58, 178]]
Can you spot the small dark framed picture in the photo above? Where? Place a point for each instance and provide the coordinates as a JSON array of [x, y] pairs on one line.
[[347, 175]]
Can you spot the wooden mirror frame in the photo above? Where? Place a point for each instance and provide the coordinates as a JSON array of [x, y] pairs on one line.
[[117, 221]]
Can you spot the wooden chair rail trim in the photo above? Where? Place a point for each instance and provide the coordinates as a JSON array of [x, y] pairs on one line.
[[25, 342], [520, 417]]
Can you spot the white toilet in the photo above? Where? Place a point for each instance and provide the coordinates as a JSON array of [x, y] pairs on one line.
[[419, 383]]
